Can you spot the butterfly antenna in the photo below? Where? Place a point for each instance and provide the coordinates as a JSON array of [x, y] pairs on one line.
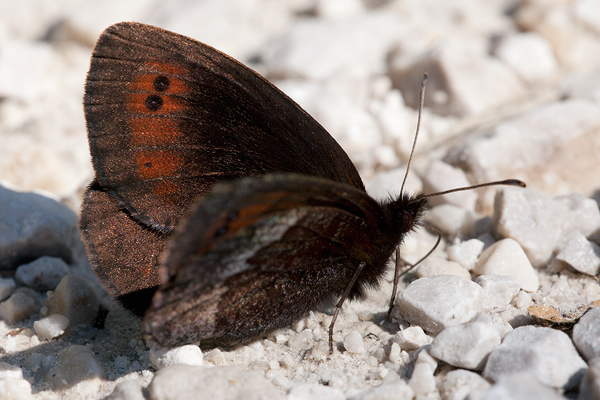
[[412, 151], [508, 182]]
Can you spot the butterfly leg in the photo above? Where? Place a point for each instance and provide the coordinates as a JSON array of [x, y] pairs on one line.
[[100, 317], [395, 286], [338, 306]]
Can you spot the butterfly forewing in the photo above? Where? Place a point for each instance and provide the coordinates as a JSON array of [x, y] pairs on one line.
[[264, 252], [167, 118]]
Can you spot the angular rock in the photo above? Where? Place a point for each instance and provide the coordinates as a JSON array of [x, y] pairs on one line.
[[184, 382], [75, 298], [353, 343], [441, 176], [499, 290], [520, 386], [17, 308], [43, 273], [127, 390], [308, 391], [465, 346], [50, 327], [451, 220], [541, 224], [581, 254], [7, 287], [432, 266], [422, 381], [466, 253], [438, 302], [188, 355], [546, 353], [32, 226], [528, 142], [461, 384], [471, 81], [530, 55], [411, 338], [586, 334], [74, 365], [590, 384], [388, 391], [507, 258], [291, 54]]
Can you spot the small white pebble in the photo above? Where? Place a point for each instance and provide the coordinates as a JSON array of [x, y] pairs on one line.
[[523, 300], [17, 308], [50, 327], [411, 338], [379, 354], [215, 356], [188, 354], [320, 350], [394, 355], [281, 381], [353, 343], [9, 371], [365, 315], [280, 338], [382, 371], [302, 340]]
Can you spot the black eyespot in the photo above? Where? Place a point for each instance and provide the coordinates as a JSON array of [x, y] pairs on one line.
[[148, 165], [222, 230], [161, 83], [233, 216], [153, 103]]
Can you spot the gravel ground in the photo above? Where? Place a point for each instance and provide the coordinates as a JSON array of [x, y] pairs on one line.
[[514, 92]]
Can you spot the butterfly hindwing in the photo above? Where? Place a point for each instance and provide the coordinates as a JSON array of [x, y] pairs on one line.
[[257, 254]]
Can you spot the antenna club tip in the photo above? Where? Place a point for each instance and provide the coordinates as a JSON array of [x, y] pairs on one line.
[[515, 182]]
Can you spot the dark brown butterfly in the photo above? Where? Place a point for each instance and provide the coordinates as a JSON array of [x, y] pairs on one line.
[[168, 117]]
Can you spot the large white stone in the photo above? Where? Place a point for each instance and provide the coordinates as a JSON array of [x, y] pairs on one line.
[[432, 266], [465, 346], [50, 327], [441, 176], [586, 334], [184, 382], [546, 353], [471, 81], [499, 290], [541, 224], [438, 302], [466, 253], [188, 355], [581, 254], [530, 55], [506, 257], [461, 384]]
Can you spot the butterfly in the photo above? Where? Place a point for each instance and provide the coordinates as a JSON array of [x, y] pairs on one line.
[[220, 210]]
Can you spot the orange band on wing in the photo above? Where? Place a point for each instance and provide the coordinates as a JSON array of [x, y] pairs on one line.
[[158, 163], [150, 131]]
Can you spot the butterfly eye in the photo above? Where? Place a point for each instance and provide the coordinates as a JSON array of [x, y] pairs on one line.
[[407, 221], [221, 231]]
